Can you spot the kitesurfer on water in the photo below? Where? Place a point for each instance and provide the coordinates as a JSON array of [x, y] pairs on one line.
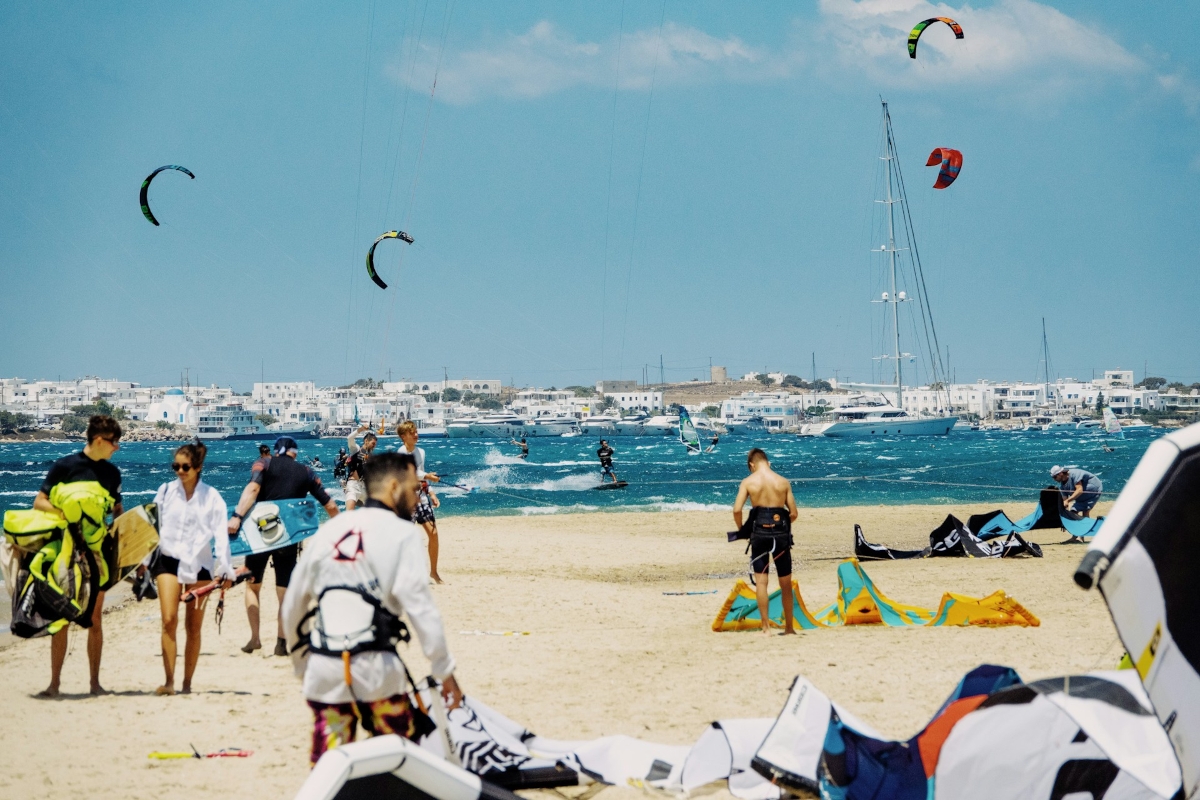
[[1080, 489], [283, 479], [356, 490], [92, 464], [360, 573], [605, 454], [427, 500], [524, 447], [712, 445], [772, 512]]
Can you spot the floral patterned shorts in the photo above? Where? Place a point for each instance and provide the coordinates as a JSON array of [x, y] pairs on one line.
[[336, 724]]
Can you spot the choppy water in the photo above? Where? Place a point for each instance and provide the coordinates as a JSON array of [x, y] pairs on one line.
[[561, 474]]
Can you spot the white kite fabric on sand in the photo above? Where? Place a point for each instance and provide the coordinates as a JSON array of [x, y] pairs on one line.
[[1145, 563], [994, 738]]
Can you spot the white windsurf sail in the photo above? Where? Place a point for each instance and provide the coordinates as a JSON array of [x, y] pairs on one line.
[[687, 432], [1111, 425]]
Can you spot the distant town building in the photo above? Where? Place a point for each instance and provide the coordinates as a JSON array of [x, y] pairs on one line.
[[718, 375], [608, 387]]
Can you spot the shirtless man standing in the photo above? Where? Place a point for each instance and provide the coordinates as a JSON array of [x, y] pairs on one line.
[[772, 512]]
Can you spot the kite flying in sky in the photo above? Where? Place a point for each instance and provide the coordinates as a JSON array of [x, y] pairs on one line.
[[371, 254], [951, 161], [920, 28], [146, 186]]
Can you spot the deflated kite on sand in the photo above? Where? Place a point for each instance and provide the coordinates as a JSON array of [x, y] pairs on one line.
[[860, 602], [994, 738]]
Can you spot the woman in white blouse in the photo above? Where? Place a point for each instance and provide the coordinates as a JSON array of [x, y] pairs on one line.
[[192, 521]]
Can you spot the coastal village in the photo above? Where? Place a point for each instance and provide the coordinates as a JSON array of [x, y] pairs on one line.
[[776, 401]]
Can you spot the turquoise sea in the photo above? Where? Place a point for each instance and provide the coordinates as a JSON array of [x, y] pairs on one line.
[[560, 474]]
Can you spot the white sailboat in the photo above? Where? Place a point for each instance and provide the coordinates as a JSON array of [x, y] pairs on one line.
[[884, 420]]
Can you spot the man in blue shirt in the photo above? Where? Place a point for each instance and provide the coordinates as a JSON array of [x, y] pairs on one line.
[[1080, 489]]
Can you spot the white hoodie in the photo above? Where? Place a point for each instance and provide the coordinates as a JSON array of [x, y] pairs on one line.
[[394, 552]]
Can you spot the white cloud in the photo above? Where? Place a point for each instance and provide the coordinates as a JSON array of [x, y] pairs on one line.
[[1011, 38], [545, 60], [1019, 47]]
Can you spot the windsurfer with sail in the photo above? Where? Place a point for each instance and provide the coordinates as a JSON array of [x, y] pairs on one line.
[[772, 512], [605, 454], [1079, 488]]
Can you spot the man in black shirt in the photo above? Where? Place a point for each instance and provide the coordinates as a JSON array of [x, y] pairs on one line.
[[605, 454], [284, 479], [103, 439]]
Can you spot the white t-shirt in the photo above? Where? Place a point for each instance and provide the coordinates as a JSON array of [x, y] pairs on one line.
[[190, 530], [395, 556], [419, 455]]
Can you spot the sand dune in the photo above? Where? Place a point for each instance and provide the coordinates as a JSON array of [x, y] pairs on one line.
[[607, 651]]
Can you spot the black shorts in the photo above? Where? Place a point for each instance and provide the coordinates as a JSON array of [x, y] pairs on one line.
[[169, 565], [284, 560], [767, 548]]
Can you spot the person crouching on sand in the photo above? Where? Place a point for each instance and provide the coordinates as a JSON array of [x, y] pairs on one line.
[[359, 573], [772, 512], [191, 526]]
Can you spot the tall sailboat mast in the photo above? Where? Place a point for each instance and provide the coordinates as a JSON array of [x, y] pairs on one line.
[[895, 300]]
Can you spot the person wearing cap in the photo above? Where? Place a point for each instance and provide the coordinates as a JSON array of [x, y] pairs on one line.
[[1080, 489], [284, 478], [356, 489]]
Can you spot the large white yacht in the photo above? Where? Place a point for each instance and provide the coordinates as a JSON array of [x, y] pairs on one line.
[[235, 421], [496, 426], [661, 425], [603, 425], [631, 426], [881, 420], [551, 426]]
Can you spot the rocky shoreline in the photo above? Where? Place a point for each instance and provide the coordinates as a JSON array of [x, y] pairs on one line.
[[130, 434]]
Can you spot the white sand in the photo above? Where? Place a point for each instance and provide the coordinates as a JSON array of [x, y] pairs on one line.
[[607, 653]]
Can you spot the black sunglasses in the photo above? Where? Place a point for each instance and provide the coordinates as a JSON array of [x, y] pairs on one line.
[[181, 467]]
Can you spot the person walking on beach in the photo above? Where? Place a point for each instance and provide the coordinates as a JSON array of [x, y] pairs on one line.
[[264, 458], [191, 527], [361, 572], [427, 499], [772, 512], [356, 490], [91, 464], [605, 454], [283, 479], [1080, 489]]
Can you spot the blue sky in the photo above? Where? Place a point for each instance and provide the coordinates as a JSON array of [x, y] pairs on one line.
[[591, 186]]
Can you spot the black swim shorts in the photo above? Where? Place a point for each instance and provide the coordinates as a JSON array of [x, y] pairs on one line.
[[765, 549], [169, 565], [284, 560]]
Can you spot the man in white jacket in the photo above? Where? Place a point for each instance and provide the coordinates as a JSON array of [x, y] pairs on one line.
[[357, 575]]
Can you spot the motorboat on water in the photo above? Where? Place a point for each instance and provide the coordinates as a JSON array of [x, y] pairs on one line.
[[601, 425], [631, 426], [236, 422], [551, 426], [884, 420], [661, 425]]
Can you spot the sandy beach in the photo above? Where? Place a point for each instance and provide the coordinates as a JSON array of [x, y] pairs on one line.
[[607, 652]]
